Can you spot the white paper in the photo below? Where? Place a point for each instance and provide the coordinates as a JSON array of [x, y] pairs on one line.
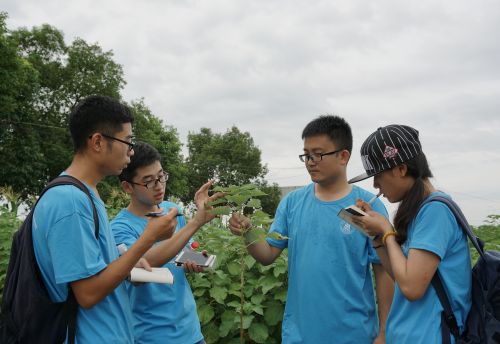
[[158, 275]]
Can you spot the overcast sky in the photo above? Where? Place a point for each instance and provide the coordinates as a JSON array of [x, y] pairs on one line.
[[269, 67]]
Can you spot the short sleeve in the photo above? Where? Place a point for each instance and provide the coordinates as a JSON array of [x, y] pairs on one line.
[[433, 229], [73, 248], [123, 233], [280, 224]]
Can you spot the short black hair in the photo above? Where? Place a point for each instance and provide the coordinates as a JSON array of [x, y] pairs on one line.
[[144, 155], [335, 127], [97, 114]]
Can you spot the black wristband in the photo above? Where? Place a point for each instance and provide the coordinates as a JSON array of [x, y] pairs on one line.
[[378, 246]]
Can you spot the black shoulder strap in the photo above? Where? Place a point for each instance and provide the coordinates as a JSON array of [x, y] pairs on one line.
[[71, 303], [447, 316]]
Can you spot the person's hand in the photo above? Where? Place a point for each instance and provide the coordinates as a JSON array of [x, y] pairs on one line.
[[380, 339], [143, 263], [373, 224], [162, 227], [201, 199], [238, 224]]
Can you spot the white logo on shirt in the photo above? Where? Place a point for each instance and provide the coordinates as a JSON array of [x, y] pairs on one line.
[[345, 228]]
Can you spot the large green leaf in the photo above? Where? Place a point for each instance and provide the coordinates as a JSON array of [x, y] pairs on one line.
[[258, 332], [273, 313], [219, 294], [205, 313]]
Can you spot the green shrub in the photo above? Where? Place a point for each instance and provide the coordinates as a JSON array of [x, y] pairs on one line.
[[238, 291], [8, 225]]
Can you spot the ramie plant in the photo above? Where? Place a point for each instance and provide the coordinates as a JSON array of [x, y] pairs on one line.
[[241, 199]]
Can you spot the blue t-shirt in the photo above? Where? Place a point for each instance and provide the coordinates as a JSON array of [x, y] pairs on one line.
[[330, 291], [66, 250], [163, 313], [436, 230]]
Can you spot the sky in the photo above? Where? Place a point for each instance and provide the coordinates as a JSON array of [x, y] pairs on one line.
[[270, 67]]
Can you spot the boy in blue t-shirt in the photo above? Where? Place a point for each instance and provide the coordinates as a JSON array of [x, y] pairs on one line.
[[66, 250], [330, 293], [162, 313]]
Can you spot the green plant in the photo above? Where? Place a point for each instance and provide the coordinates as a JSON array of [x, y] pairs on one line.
[[240, 300], [8, 225], [239, 288]]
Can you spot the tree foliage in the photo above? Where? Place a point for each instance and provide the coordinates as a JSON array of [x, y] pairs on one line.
[[151, 129], [231, 158], [49, 77]]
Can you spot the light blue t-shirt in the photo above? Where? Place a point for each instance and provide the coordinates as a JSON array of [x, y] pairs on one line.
[[66, 250], [163, 313], [434, 229], [330, 290]]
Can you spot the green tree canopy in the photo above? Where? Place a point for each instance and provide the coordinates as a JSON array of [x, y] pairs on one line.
[[229, 158], [43, 79]]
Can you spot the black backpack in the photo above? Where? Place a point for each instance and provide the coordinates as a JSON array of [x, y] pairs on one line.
[[482, 325], [27, 314]]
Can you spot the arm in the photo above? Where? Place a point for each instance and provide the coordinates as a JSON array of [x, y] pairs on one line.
[[413, 274], [167, 249], [385, 292], [90, 291], [260, 250]]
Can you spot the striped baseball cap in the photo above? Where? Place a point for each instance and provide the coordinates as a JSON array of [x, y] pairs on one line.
[[386, 148]]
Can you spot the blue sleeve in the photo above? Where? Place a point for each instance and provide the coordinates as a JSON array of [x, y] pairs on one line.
[[73, 248], [123, 233], [434, 229], [379, 207], [280, 225]]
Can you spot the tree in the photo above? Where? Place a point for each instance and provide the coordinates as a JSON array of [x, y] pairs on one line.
[[36, 145], [229, 158], [19, 152], [149, 128]]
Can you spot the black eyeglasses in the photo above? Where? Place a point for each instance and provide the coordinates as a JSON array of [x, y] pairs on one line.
[[129, 144], [150, 184], [316, 157]]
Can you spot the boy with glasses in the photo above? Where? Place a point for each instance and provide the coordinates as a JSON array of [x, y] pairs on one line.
[[66, 249], [162, 313], [330, 292]]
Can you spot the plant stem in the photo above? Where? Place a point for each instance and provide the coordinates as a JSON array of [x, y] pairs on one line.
[[242, 297]]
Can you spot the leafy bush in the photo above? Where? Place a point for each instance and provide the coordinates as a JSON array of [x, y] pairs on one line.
[[238, 291], [8, 225]]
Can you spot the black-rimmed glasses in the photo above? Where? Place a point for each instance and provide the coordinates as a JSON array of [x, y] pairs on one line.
[[129, 144], [150, 184], [316, 157]]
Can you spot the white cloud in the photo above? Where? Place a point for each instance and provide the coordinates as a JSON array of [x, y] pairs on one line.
[[269, 67]]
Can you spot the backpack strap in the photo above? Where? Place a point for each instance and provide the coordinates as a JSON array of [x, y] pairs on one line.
[[447, 315], [71, 305], [448, 320]]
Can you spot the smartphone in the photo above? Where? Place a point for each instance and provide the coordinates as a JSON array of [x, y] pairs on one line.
[[199, 258]]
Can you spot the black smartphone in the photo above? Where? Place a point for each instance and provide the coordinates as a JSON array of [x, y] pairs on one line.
[[353, 212]]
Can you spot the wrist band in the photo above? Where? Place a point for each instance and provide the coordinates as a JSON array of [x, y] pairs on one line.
[[386, 235], [378, 246]]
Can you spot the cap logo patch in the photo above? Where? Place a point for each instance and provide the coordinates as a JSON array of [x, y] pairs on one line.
[[390, 152]]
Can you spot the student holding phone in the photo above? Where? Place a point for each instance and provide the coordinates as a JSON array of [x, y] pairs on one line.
[[162, 313], [423, 241]]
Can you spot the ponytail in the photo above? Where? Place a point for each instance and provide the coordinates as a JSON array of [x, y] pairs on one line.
[[418, 168]]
